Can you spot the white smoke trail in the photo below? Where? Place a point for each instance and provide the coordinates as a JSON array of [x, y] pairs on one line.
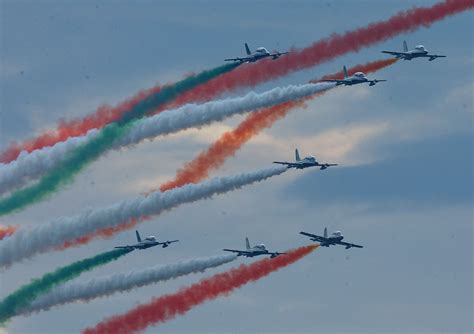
[[88, 290], [42, 237], [32, 165]]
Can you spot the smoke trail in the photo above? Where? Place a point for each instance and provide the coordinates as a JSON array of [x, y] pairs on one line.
[[75, 161], [30, 240], [326, 49], [86, 291], [323, 50], [104, 115], [227, 145], [78, 127], [40, 161], [35, 164], [199, 168], [231, 141], [27, 293], [5, 231], [167, 307]]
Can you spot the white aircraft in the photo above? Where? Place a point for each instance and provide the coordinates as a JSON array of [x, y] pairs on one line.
[[418, 52], [253, 251], [357, 78], [333, 239], [147, 243], [304, 163], [258, 54]]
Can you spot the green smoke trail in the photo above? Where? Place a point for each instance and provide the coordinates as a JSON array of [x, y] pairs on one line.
[[83, 155], [28, 292]]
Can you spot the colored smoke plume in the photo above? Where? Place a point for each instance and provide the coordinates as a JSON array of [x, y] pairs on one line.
[[167, 307]]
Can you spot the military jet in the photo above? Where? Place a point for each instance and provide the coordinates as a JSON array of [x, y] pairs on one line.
[[418, 52], [333, 239], [253, 251], [304, 163], [258, 54], [147, 243], [357, 78]]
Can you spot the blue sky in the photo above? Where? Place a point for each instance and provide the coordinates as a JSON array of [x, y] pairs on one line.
[[404, 187]]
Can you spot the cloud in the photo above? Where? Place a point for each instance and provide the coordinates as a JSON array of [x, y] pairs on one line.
[[430, 172], [337, 144]]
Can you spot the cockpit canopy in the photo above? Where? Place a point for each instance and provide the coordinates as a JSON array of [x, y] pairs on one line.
[[151, 238], [337, 233], [420, 47], [311, 157], [261, 50], [359, 74], [262, 246]]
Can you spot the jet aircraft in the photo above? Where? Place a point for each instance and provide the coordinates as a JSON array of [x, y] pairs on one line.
[[258, 54], [304, 163], [147, 243], [418, 52], [357, 78], [253, 251], [333, 239]]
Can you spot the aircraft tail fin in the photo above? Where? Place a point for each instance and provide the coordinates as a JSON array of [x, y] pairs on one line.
[[325, 232], [297, 155], [247, 243], [247, 49], [405, 46], [138, 236], [345, 72]]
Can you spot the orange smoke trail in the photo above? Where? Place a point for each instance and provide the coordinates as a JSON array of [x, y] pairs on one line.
[[104, 233], [6, 231], [230, 142], [226, 146]]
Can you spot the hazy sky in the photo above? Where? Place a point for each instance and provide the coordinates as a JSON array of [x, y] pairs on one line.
[[403, 190]]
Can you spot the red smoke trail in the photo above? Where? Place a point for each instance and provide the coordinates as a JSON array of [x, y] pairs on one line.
[[6, 231], [66, 129], [226, 146], [326, 49], [231, 141], [167, 307]]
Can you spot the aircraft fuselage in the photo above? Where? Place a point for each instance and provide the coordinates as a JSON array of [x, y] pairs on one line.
[[413, 54], [146, 245], [331, 241], [353, 81]]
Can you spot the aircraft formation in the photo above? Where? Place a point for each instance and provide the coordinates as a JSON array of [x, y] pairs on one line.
[[309, 161], [102, 222]]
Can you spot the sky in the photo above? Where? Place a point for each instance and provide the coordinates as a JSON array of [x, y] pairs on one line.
[[403, 188]]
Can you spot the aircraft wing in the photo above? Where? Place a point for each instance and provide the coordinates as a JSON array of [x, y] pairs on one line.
[[243, 59], [348, 245], [314, 237], [167, 242], [373, 82], [278, 54], [239, 252], [434, 56], [395, 53], [275, 254], [289, 164]]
